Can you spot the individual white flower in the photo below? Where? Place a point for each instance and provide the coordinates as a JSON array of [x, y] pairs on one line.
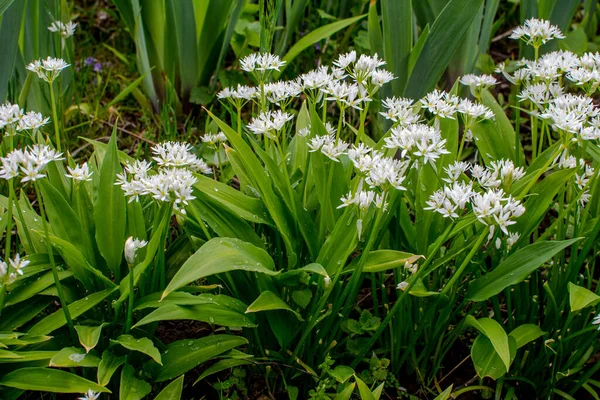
[[90, 395], [455, 171], [536, 32], [344, 60], [402, 286], [65, 30], [18, 264], [507, 171], [380, 77], [47, 69], [10, 116], [131, 247], [80, 172]]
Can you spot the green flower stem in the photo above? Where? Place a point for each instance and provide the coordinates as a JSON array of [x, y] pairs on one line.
[[59, 288], [129, 320], [464, 264], [55, 118], [403, 295], [21, 216]]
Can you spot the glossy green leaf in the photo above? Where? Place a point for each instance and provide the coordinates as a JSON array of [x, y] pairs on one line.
[[72, 357], [33, 287], [57, 319], [132, 388], [444, 37], [49, 380], [346, 393], [221, 255], [342, 373], [89, 335], [172, 391], [142, 345], [486, 360], [109, 209], [495, 333], [222, 366], [515, 268], [526, 333], [269, 301], [445, 395], [108, 366], [383, 260], [183, 355], [209, 313], [580, 297]]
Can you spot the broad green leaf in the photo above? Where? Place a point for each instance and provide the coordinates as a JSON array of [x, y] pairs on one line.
[[132, 388], [33, 287], [109, 209], [445, 35], [496, 334], [515, 268], [526, 333], [4, 354], [269, 301], [397, 18], [108, 366], [221, 366], [10, 30], [342, 373], [57, 319], [49, 380], [383, 260], [346, 393], [221, 255], [24, 340], [246, 160], [27, 356], [72, 357], [143, 345], [316, 35], [209, 313], [580, 297], [364, 390], [486, 360], [183, 355], [246, 207], [89, 335], [172, 391]]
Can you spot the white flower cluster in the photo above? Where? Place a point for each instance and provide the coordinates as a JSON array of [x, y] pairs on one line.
[[536, 32], [261, 62], [80, 172], [574, 114], [445, 105], [378, 170], [269, 123], [478, 83], [173, 180], [29, 163], [239, 96], [420, 142], [13, 119], [11, 270], [582, 178], [363, 199], [400, 111], [214, 139], [47, 69], [328, 145], [364, 70], [65, 30], [487, 200]]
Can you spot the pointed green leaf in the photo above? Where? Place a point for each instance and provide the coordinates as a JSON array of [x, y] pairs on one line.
[[108, 366], [49, 380], [580, 297], [221, 366], [183, 355], [132, 388], [143, 345], [526, 333], [209, 313], [71, 357], [89, 335], [172, 391], [268, 301], [495, 333]]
